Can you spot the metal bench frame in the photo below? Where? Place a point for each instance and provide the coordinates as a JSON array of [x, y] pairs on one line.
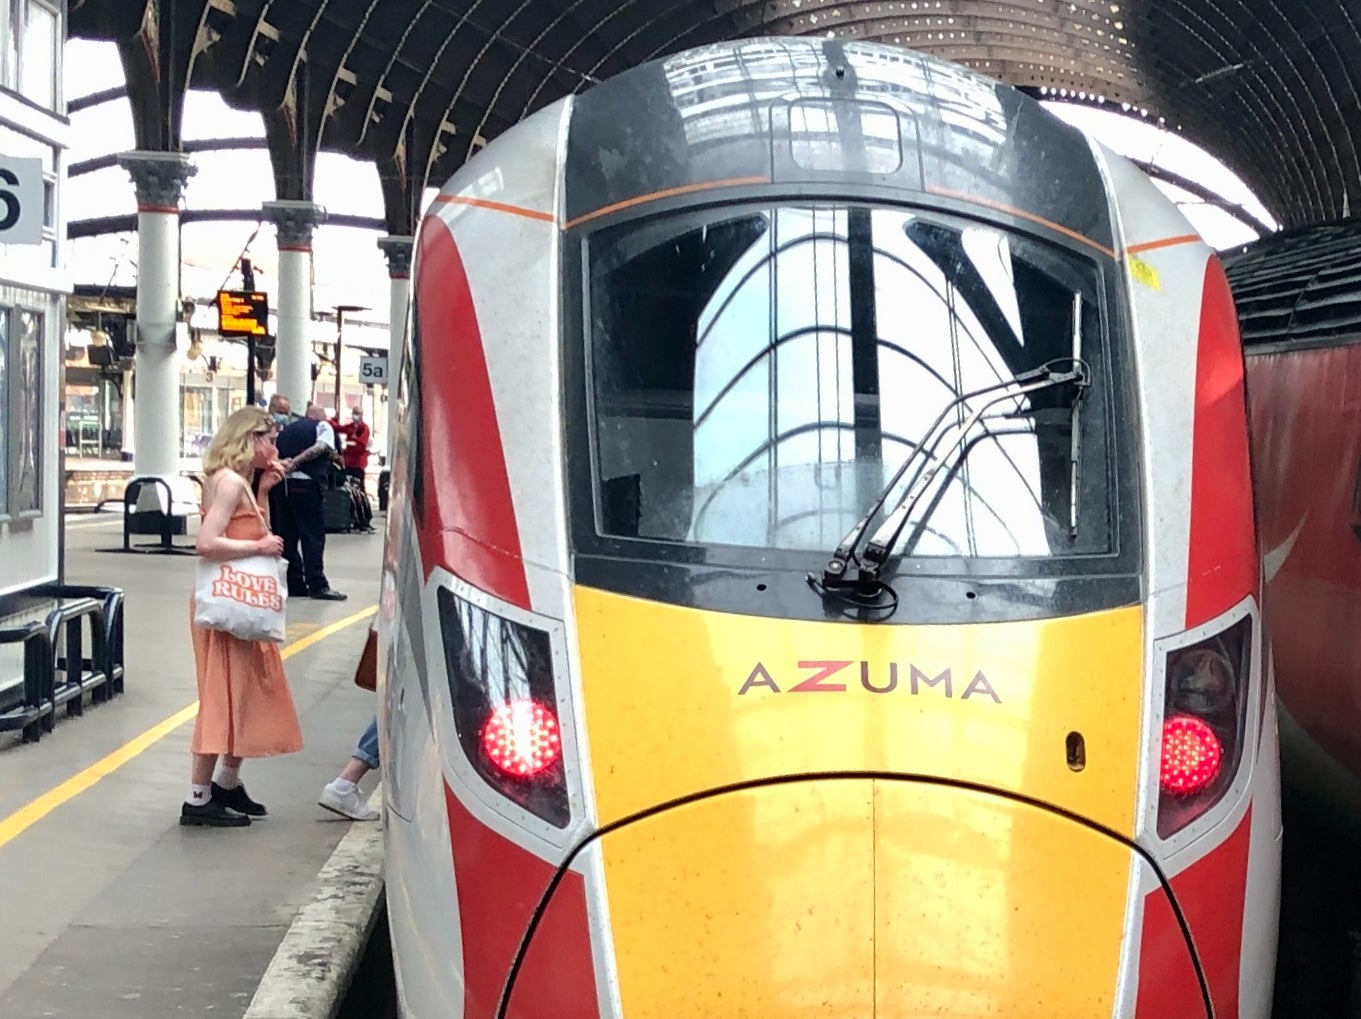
[[58, 672], [164, 523]]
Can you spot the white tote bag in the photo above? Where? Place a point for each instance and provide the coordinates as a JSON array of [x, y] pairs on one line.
[[245, 597]]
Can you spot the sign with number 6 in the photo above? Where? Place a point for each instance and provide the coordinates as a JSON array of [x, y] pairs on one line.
[[21, 200]]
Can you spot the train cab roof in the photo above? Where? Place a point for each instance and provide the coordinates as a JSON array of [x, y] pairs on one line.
[[807, 114]]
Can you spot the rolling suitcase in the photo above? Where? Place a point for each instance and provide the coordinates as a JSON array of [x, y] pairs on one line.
[[337, 510]]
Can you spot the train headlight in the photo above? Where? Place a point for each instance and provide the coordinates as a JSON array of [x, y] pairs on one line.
[[501, 678], [1204, 717]]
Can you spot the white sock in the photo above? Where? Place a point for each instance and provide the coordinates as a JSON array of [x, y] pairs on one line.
[[226, 777], [344, 786], [198, 795]]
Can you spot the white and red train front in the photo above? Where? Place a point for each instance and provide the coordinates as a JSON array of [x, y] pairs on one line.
[[670, 340]]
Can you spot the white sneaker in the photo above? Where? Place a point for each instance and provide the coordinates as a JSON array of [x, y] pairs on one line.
[[347, 804]]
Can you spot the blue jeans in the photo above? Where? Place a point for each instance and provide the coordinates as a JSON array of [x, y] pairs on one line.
[[367, 751]]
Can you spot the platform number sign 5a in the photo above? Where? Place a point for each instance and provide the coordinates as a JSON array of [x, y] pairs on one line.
[[21, 200], [373, 371]]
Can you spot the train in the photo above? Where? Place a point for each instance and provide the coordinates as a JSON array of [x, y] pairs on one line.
[[822, 569], [1297, 297]]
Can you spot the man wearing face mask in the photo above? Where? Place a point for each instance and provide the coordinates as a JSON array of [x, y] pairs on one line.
[[280, 410], [357, 448]]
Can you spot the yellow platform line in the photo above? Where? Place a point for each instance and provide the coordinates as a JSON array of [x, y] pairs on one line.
[[27, 816]]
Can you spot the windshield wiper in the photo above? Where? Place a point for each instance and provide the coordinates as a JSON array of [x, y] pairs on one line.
[[929, 463]]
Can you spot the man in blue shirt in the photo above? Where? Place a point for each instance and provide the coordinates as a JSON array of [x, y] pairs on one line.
[[305, 446]]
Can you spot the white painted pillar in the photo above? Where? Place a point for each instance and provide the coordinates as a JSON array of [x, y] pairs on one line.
[[293, 359], [398, 251], [159, 178]]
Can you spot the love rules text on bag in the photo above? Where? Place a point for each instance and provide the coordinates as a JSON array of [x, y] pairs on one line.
[[245, 597], [248, 589]]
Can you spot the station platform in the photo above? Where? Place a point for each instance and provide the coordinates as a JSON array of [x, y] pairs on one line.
[[108, 906]]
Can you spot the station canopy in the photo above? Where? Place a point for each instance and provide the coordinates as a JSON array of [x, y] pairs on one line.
[[1268, 86]]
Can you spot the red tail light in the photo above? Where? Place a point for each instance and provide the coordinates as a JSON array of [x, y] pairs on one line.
[[501, 678], [1203, 731], [522, 738], [1192, 756]]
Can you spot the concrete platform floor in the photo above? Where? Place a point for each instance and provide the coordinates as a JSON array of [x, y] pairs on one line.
[[110, 908]]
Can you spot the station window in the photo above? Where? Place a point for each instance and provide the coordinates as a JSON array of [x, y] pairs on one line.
[[11, 31], [38, 55], [21, 412], [25, 433], [31, 58], [21, 374], [6, 406]]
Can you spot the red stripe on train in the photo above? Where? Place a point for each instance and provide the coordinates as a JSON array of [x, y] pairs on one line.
[[499, 887], [467, 520], [1222, 566], [1210, 893]]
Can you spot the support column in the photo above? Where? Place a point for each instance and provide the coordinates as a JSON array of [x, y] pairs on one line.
[[159, 178], [398, 251], [293, 358]]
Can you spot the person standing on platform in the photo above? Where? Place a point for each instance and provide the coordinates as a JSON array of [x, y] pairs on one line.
[[245, 706], [280, 410], [307, 446], [356, 454]]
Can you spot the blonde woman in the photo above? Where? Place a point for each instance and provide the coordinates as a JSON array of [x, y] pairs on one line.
[[245, 706]]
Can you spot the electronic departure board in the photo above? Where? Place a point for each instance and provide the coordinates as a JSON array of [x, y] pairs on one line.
[[242, 313]]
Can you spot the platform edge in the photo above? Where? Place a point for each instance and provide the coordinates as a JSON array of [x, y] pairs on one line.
[[317, 958]]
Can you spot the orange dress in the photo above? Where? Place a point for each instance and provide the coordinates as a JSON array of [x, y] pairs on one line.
[[245, 707]]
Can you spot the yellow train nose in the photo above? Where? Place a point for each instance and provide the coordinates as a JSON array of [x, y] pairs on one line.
[[865, 897]]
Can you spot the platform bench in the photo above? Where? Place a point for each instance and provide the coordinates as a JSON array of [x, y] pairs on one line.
[[77, 649]]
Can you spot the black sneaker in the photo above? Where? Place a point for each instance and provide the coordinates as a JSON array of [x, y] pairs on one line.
[[236, 799], [213, 815], [329, 594]]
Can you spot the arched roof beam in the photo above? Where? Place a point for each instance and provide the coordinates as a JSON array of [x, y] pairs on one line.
[[292, 92], [89, 19], [538, 28], [549, 31], [158, 62], [431, 105], [1172, 36], [345, 127], [429, 15], [1187, 106], [619, 16], [231, 58], [334, 101], [1211, 198]]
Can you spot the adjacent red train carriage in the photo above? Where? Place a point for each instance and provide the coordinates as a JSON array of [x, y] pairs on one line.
[[1299, 295], [822, 574]]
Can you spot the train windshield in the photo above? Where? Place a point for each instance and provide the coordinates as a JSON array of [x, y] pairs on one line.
[[759, 375]]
